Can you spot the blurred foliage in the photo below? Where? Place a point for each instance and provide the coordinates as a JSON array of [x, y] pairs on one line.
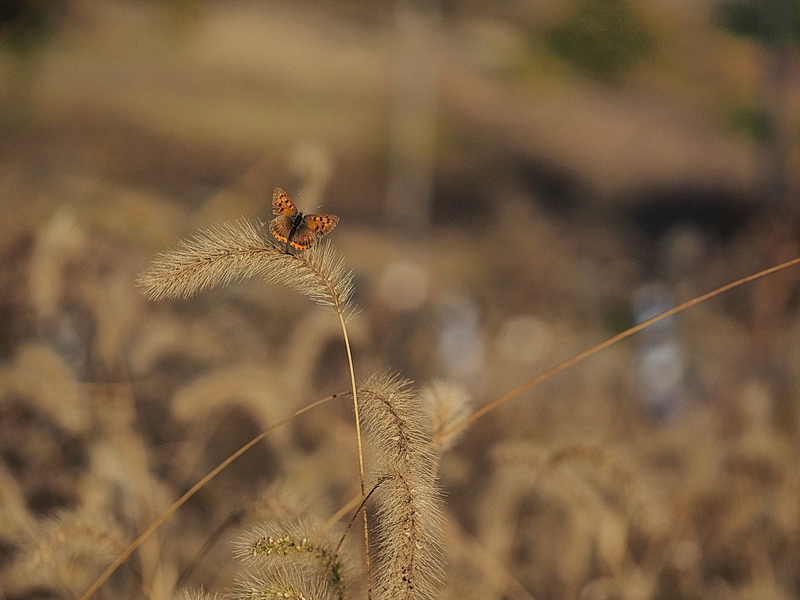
[[26, 25], [770, 21], [602, 38], [754, 122]]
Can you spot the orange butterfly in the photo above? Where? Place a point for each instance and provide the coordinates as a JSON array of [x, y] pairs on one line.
[[295, 228]]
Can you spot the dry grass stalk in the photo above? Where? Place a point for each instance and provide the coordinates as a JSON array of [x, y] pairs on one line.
[[409, 557]]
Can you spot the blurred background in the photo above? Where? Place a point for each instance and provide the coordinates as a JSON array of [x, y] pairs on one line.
[[516, 181]]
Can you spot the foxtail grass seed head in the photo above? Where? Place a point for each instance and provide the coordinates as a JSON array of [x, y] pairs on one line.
[[395, 423], [238, 251], [70, 549], [446, 403], [188, 594], [285, 582], [296, 544], [409, 557]]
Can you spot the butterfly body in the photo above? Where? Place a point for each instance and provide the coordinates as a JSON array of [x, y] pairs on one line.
[[294, 228]]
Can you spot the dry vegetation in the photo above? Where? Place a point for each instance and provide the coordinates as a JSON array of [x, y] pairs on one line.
[[666, 466]]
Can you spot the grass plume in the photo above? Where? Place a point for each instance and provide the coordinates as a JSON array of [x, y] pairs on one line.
[[409, 557], [446, 403], [71, 548], [238, 251], [196, 595], [300, 544], [284, 583]]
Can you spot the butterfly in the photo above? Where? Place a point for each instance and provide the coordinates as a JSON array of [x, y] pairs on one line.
[[295, 228]]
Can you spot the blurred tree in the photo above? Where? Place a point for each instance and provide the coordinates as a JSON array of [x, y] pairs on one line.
[[26, 28], [25, 25], [601, 38], [776, 25], [774, 22]]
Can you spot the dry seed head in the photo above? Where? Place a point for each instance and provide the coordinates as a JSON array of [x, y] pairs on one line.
[[446, 403], [43, 378], [408, 563], [238, 251], [286, 582], [293, 545], [394, 422], [71, 549], [187, 594]]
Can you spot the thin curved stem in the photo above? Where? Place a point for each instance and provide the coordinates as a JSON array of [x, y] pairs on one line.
[[148, 531], [361, 505], [603, 345], [362, 478]]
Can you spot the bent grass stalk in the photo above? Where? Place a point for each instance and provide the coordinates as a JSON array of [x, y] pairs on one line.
[[335, 553], [150, 529], [481, 412]]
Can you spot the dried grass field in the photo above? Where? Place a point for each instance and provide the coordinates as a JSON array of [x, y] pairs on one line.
[[506, 201]]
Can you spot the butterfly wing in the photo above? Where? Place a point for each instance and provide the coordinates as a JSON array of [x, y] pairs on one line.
[[281, 227], [311, 229], [321, 224], [282, 204], [304, 237]]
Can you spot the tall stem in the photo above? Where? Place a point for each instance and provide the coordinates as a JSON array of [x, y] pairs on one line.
[[360, 450]]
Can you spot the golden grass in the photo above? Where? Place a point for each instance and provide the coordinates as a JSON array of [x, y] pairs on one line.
[[568, 491], [633, 511]]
